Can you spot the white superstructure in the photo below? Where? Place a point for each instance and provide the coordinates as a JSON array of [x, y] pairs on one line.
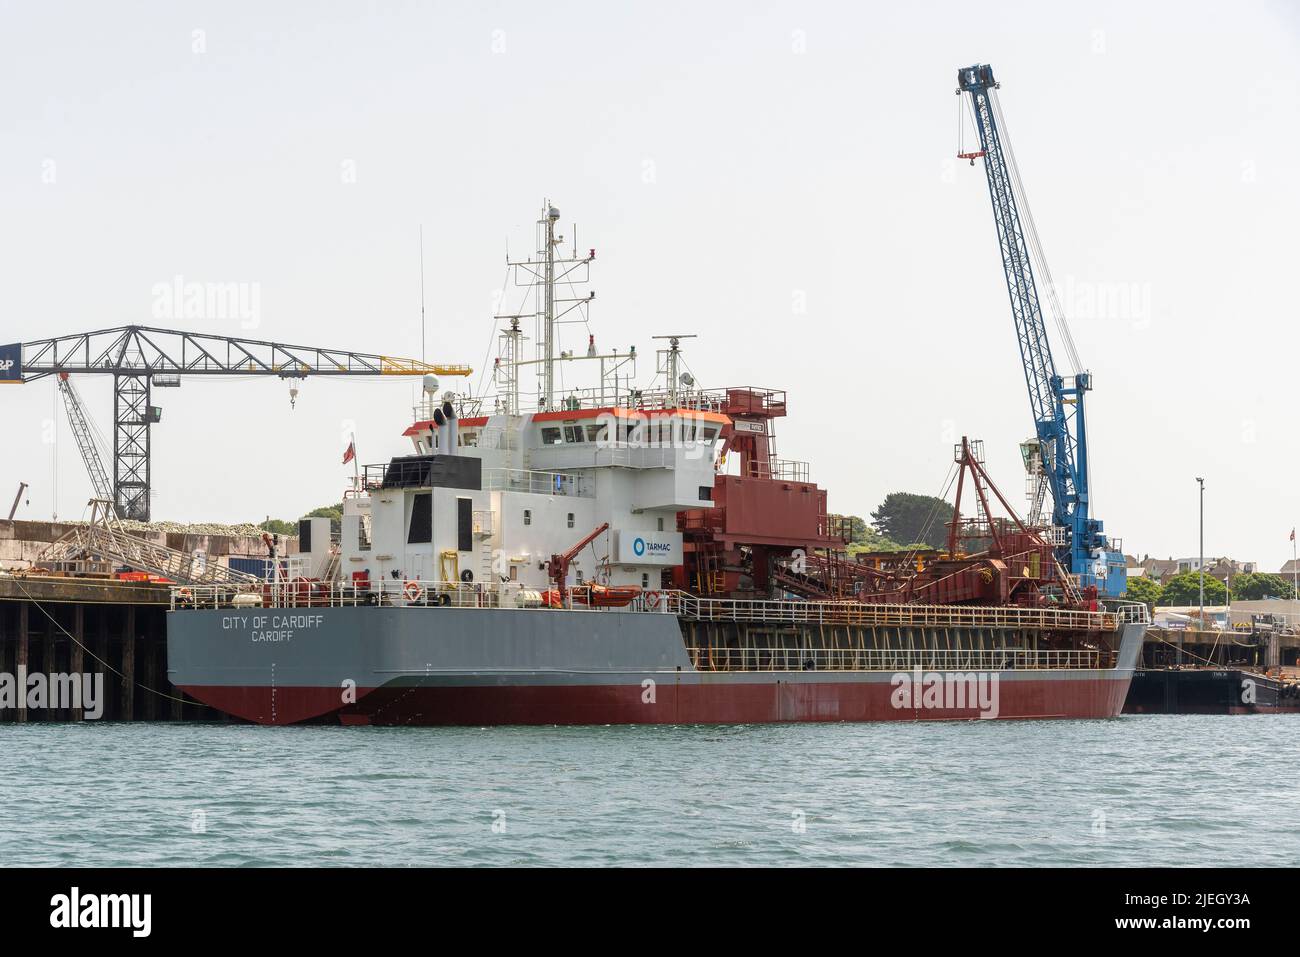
[[490, 498]]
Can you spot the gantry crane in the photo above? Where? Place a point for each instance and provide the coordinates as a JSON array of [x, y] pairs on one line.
[[1057, 401], [140, 358]]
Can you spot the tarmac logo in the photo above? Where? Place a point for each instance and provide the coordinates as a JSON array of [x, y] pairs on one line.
[[640, 546], [103, 910], [946, 691]]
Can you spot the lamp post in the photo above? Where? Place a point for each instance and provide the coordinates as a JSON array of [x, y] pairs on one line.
[[1201, 556], [1295, 581]]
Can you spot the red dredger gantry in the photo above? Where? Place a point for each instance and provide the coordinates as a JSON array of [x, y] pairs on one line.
[[768, 514], [769, 533]]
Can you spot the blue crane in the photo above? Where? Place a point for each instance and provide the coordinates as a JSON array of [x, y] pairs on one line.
[[1057, 401]]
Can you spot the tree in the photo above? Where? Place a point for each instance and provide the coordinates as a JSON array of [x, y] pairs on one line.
[[333, 512], [1184, 590], [862, 537], [278, 526], [857, 528], [1253, 586], [1143, 589], [873, 541], [907, 517]]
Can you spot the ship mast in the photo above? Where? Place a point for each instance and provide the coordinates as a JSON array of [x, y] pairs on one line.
[[542, 275], [506, 371], [670, 365], [548, 326]]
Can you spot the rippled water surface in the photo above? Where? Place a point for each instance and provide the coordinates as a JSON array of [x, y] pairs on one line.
[[1136, 790]]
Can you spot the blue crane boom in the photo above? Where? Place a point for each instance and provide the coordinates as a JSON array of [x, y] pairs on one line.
[[1057, 401]]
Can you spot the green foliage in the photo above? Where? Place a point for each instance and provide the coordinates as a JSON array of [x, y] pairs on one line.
[[278, 526], [1257, 585], [1184, 589], [862, 537], [857, 528], [875, 542], [1143, 589], [903, 517]]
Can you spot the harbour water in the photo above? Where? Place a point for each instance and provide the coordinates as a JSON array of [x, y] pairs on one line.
[[1139, 790]]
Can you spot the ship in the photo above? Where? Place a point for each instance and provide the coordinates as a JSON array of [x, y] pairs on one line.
[[635, 552]]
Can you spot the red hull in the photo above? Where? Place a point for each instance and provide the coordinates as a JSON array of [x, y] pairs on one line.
[[707, 702]]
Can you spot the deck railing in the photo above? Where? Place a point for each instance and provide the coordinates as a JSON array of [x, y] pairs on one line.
[[754, 398], [301, 593], [1129, 612], [857, 613], [890, 659], [537, 482], [390, 592]]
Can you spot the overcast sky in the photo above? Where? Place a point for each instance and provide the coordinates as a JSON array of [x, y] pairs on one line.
[[778, 178]]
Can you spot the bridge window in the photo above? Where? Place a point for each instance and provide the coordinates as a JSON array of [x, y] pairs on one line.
[[421, 529], [464, 524], [552, 436]]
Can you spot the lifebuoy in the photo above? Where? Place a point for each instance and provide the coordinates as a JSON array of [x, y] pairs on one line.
[[413, 591], [652, 599]]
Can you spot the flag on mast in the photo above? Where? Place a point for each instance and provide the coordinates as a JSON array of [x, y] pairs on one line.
[[351, 453]]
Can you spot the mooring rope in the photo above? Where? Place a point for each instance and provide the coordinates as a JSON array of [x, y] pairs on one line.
[[54, 621]]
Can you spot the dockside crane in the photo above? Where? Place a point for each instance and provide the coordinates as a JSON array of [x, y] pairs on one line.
[[1057, 401], [141, 358], [87, 441]]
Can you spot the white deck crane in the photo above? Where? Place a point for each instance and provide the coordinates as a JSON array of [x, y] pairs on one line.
[[87, 441]]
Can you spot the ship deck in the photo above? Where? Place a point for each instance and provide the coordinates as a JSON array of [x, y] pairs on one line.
[[420, 594], [730, 635]]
